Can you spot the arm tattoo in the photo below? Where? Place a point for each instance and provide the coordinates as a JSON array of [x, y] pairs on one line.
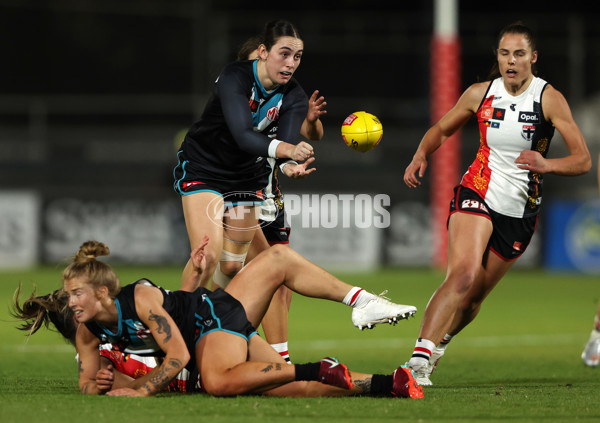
[[364, 385], [147, 388], [161, 379], [84, 388], [163, 325], [175, 363], [270, 367]]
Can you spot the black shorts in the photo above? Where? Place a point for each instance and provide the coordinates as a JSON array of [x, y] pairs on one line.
[[238, 191], [510, 236], [278, 230], [219, 311]]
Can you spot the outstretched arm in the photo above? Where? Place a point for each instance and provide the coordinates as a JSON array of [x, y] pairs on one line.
[[232, 92], [436, 135], [199, 266], [312, 127], [298, 171]]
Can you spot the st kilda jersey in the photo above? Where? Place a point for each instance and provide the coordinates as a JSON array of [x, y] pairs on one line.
[[241, 118], [507, 126]]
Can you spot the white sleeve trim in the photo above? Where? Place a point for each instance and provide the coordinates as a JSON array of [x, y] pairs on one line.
[[281, 166], [273, 148]]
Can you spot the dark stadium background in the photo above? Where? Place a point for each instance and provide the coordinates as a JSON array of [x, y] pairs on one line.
[[94, 94]]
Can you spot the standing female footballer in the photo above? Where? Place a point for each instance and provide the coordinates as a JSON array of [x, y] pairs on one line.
[[495, 208], [191, 330], [275, 228], [273, 224], [255, 112]]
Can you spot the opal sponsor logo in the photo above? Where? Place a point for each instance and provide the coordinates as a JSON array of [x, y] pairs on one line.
[[529, 117]]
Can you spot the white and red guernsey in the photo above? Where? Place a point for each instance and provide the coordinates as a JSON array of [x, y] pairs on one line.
[[507, 126]]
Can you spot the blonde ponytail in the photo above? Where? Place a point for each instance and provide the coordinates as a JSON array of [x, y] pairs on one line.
[[97, 273]]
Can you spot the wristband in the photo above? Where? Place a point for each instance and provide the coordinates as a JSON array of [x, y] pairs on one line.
[[273, 148]]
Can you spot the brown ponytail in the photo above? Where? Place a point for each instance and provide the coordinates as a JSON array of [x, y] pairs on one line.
[[36, 312], [41, 311]]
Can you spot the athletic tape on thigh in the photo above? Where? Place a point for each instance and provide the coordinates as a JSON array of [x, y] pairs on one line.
[[220, 278], [234, 250]]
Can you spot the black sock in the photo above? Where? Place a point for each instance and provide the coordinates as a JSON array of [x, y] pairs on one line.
[[308, 371], [382, 385]]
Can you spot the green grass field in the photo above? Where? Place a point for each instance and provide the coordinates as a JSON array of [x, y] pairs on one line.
[[519, 360]]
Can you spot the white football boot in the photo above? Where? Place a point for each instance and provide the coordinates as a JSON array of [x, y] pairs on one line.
[[591, 353], [421, 373], [436, 354], [380, 310]]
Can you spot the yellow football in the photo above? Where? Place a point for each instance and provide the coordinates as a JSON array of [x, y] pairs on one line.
[[362, 131]]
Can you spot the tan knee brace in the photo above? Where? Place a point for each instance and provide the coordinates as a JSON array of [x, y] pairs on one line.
[[232, 251]]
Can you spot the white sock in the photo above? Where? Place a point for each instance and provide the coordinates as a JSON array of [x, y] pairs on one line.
[[595, 333], [357, 297], [282, 349], [421, 353], [444, 342]]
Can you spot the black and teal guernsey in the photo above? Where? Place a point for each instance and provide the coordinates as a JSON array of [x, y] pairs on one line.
[[195, 313], [232, 137]]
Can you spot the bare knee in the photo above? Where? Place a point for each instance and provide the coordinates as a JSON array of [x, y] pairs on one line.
[[278, 250], [461, 279], [220, 386], [279, 254], [276, 254], [279, 257]]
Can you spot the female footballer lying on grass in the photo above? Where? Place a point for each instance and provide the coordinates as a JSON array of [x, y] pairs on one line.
[[213, 332], [53, 308]]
